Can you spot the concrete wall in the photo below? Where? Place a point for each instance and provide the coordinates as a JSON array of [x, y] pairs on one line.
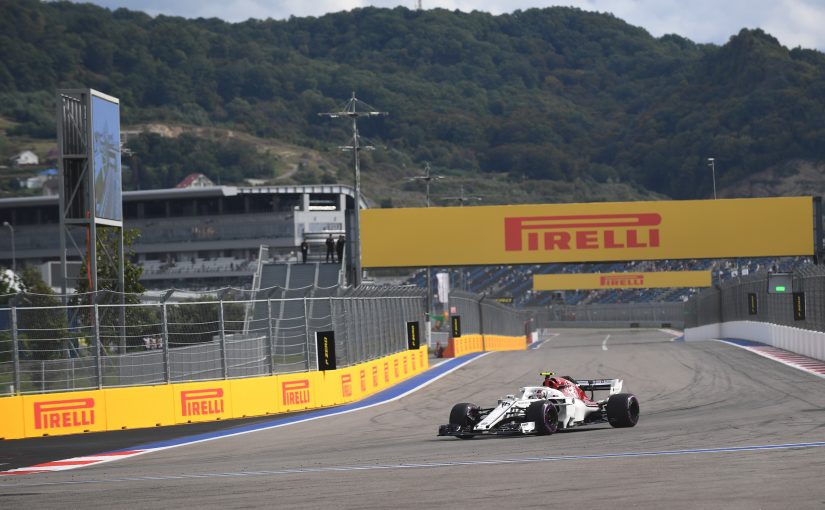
[[801, 341]]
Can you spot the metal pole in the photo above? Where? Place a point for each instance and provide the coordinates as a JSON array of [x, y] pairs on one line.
[[270, 339], [167, 369], [306, 332], [351, 110], [121, 282], [15, 351], [481, 323], [356, 228], [224, 363], [98, 348]]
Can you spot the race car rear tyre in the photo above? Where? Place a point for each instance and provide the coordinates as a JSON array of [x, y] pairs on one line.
[[623, 410], [544, 415], [465, 416]]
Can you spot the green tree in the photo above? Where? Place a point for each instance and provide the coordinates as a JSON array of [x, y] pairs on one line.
[[122, 322]]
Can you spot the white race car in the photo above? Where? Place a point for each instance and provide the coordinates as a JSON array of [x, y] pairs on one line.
[[560, 403]]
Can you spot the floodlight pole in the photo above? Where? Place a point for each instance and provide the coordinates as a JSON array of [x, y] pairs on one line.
[[350, 110]]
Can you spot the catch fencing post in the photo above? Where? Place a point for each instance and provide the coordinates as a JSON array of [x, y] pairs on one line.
[[342, 338], [167, 369], [306, 332], [481, 323], [98, 348], [270, 340], [15, 350], [223, 343]]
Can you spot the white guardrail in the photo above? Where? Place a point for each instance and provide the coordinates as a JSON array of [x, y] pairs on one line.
[[801, 341]]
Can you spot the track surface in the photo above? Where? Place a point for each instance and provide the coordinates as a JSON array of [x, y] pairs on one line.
[[705, 396]]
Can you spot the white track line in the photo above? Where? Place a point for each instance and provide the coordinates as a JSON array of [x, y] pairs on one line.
[[604, 344], [538, 345]]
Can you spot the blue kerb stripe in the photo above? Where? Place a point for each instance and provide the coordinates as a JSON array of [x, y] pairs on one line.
[[382, 396], [536, 344], [743, 343]]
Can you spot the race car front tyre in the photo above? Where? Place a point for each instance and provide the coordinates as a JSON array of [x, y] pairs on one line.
[[465, 416], [544, 415], [623, 410]]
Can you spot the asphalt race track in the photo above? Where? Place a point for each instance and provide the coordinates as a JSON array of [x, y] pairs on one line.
[[720, 428]]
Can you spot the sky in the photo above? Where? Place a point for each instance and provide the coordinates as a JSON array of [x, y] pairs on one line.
[[793, 22]]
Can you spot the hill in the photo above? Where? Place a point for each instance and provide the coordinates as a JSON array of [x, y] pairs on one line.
[[557, 103]]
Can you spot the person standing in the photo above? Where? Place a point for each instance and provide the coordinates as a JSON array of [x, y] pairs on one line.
[[330, 248], [339, 248], [304, 250]]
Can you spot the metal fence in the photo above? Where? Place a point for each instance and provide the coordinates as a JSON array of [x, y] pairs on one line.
[[613, 315], [47, 347], [480, 314], [747, 298]]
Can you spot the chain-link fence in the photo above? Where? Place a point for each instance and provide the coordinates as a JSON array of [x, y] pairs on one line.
[[86, 346], [480, 314], [747, 299]]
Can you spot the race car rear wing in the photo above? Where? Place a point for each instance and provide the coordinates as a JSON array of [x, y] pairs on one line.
[[612, 385]]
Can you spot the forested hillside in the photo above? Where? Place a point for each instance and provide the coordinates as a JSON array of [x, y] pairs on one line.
[[553, 94]]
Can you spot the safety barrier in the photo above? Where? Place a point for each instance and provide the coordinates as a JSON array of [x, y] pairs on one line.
[[179, 403], [801, 341], [468, 344]]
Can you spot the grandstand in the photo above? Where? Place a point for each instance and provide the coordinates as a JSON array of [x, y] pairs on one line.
[[194, 237], [514, 283]]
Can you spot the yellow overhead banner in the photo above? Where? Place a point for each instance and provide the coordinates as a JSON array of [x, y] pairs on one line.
[[580, 281], [530, 234]]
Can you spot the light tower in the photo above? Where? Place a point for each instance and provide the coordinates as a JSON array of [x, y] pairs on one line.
[[427, 178], [355, 109]]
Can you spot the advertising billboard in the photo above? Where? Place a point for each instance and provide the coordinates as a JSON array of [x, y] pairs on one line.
[[106, 171], [612, 231], [635, 280]]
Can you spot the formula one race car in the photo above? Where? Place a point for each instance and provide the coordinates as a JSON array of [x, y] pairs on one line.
[[560, 403]]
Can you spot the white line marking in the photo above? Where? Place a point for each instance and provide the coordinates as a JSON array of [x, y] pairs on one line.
[[604, 344], [544, 341], [435, 464]]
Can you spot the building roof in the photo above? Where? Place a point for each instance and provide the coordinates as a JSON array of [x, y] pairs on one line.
[[210, 191], [195, 180]]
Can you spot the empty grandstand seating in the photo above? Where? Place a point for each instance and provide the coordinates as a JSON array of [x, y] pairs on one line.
[[517, 281]]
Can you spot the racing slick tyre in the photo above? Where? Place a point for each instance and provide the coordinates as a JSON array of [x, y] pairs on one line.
[[623, 410], [545, 415], [465, 416]]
